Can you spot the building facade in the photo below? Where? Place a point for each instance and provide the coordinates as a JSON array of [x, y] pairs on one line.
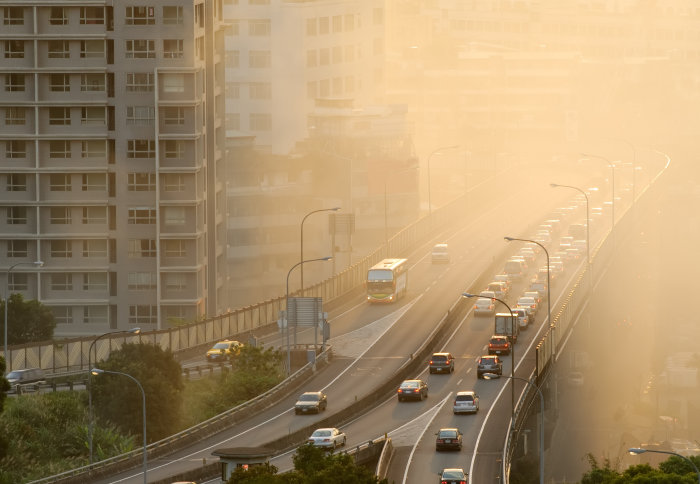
[[111, 162]]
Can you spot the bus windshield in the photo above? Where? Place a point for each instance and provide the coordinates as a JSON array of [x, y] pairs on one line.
[[379, 275]]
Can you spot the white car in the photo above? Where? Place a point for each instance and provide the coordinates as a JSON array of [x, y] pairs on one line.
[[484, 305], [523, 317], [534, 294], [528, 303], [328, 438], [466, 402]]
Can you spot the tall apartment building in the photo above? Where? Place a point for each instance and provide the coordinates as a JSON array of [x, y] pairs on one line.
[[111, 160]]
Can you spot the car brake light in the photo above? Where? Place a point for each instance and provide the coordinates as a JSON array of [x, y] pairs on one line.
[[431, 362]]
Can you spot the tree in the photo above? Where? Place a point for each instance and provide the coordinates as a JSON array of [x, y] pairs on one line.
[[4, 384], [117, 399], [29, 321], [673, 471]]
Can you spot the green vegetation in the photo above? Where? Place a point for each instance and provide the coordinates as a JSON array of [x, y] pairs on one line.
[[674, 470], [30, 321], [312, 465]]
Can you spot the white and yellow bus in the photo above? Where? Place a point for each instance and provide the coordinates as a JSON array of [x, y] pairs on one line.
[[387, 280]]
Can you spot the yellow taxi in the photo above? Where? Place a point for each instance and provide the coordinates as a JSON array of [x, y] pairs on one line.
[[224, 350]]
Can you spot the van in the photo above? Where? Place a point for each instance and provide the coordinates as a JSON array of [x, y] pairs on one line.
[[440, 254], [26, 376], [515, 268], [499, 288]]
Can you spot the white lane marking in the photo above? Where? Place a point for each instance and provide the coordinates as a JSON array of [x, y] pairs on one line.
[[459, 382], [437, 409]]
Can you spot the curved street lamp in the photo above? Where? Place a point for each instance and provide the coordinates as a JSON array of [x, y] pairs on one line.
[[36, 264], [637, 451], [97, 371], [301, 258], [451, 147]]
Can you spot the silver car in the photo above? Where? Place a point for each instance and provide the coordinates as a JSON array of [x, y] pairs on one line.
[[466, 402], [327, 438]]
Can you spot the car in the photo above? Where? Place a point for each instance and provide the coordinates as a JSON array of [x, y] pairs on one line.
[[453, 476], [311, 402], [499, 345], [466, 402], [528, 302], [528, 254], [440, 253], [579, 244], [327, 438], [573, 253], [542, 275], [556, 268], [224, 350], [555, 223], [503, 278], [412, 390], [484, 305], [25, 376], [565, 242], [538, 287], [523, 317], [514, 268], [499, 289], [489, 364], [543, 237], [535, 295], [448, 438], [441, 363]]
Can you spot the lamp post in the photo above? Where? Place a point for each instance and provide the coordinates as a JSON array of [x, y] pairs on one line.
[[7, 302], [490, 376], [612, 168], [451, 147], [97, 371], [588, 219], [286, 307], [549, 301], [301, 258], [89, 383], [637, 451], [512, 344]]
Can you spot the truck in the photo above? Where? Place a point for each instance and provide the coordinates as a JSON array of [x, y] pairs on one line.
[[506, 324]]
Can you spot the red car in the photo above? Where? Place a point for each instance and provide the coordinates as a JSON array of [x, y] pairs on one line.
[[499, 345]]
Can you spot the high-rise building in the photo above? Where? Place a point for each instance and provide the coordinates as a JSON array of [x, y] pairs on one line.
[[111, 160]]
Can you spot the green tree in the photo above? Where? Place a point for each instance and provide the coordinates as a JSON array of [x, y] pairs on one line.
[[117, 399], [4, 384], [673, 471], [29, 321]]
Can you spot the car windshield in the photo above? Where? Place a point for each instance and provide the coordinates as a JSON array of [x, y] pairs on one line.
[[448, 434], [220, 346], [439, 357], [464, 398], [409, 384], [453, 475], [308, 397], [321, 433], [498, 341], [13, 374]]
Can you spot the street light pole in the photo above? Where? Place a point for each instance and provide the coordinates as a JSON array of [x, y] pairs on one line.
[[286, 307], [89, 382], [97, 371], [637, 451], [7, 303], [489, 376], [301, 258], [430, 205]]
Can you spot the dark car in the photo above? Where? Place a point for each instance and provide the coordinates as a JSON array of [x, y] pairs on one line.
[[311, 402], [412, 390], [26, 376], [489, 364], [448, 439], [442, 363], [499, 345], [453, 476]]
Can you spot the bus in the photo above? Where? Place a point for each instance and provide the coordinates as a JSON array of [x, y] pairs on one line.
[[387, 280]]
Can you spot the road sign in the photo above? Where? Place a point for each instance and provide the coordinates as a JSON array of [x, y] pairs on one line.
[[305, 311]]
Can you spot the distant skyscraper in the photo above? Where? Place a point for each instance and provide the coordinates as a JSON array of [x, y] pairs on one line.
[[111, 160]]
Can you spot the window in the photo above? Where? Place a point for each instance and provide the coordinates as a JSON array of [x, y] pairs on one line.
[[174, 248], [16, 215], [174, 116], [311, 58], [61, 248], [94, 182], [17, 248], [59, 82], [14, 82], [92, 82], [174, 182], [173, 15], [140, 49], [139, 81], [142, 216], [95, 315], [233, 90], [140, 115], [175, 281], [59, 116], [95, 248], [141, 182], [19, 281], [92, 115], [13, 16], [310, 26], [15, 148], [94, 281], [14, 49], [174, 215], [62, 314], [337, 24], [58, 16], [141, 281], [173, 48], [59, 148], [60, 215], [92, 48], [174, 149], [337, 54], [140, 16], [142, 314], [16, 182], [59, 49], [141, 148], [61, 282], [259, 27], [142, 248], [260, 122], [260, 90], [15, 116], [259, 58], [199, 48], [95, 215], [59, 182], [323, 25], [92, 15], [324, 56], [173, 83], [233, 58], [93, 148]]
